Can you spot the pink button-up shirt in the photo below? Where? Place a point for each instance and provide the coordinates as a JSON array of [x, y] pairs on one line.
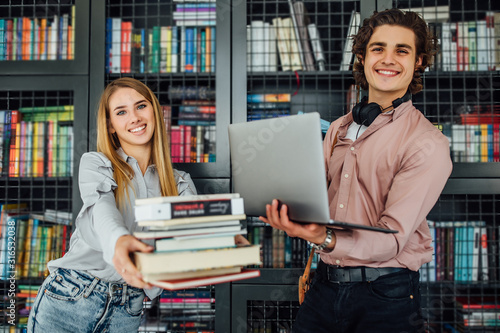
[[390, 177]]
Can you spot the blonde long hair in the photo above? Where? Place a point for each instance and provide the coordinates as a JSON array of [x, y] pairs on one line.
[[108, 143]]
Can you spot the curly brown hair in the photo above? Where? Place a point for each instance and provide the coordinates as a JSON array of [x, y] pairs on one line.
[[425, 41]]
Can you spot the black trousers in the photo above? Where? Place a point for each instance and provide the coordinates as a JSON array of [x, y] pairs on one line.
[[390, 304]]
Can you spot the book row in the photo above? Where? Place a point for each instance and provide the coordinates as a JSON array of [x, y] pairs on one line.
[[474, 143], [160, 49], [298, 46], [469, 45], [192, 143], [476, 312], [28, 243], [278, 250], [30, 147], [464, 251], [25, 38]]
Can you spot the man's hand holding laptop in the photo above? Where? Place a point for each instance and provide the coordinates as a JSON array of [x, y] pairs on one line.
[[277, 217]]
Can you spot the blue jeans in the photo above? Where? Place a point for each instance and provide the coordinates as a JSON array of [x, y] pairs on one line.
[[75, 301], [389, 304]]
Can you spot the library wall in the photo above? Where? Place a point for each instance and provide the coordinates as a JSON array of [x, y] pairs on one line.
[[204, 59]]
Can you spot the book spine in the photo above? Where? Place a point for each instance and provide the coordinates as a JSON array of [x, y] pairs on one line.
[[115, 66], [190, 56], [175, 210]]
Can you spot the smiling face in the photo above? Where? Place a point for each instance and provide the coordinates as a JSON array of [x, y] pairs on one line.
[[131, 117], [389, 63]]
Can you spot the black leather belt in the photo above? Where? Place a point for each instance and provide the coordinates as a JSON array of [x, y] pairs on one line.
[[353, 274]]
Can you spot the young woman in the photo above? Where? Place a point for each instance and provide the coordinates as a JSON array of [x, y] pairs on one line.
[[95, 287]]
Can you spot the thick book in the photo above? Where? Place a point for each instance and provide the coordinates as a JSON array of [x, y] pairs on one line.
[[189, 220], [204, 281], [191, 274], [316, 46], [302, 21], [203, 242], [219, 229], [160, 200], [170, 262], [189, 208], [352, 30], [282, 44]]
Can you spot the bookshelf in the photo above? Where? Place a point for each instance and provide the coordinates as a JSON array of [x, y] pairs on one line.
[[79, 9], [146, 18], [38, 243], [450, 97]]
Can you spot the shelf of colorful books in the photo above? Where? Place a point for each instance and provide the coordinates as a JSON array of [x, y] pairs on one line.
[[173, 37], [173, 47], [304, 36], [40, 148], [28, 241], [45, 38]]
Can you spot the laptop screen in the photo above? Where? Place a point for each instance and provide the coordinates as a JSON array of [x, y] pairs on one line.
[[281, 158]]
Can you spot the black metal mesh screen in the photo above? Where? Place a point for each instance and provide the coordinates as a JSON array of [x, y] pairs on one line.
[[171, 48], [36, 194]]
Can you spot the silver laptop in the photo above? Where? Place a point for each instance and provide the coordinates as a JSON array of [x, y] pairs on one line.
[[282, 158]]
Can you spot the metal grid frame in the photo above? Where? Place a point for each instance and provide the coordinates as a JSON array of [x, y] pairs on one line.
[[39, 193], [145, 14]]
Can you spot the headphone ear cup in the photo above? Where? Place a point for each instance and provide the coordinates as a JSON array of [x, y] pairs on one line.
[[369, 113], [356, 110], [365, 114]]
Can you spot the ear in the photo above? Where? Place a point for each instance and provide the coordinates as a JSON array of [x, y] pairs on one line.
[[419, 61], [111, 129]]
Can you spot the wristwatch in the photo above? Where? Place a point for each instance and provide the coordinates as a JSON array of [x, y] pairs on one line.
[[327, 241]]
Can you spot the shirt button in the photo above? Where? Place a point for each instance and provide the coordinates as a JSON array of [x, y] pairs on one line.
[[341, 205], [352, 148], [337, 261], [346, 175]]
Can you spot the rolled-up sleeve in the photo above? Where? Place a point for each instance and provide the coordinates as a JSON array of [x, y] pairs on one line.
[[103, 223]]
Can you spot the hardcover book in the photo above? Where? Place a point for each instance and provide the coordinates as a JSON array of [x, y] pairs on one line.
[[189, 208], [171, 262], [203, 281]]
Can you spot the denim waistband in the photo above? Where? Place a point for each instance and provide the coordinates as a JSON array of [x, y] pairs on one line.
[[94, 283]]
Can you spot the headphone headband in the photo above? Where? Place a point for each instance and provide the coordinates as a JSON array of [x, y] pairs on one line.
[[365, 113]]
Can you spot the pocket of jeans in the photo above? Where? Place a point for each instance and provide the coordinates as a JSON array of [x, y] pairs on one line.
[[396, 286], [64, 287], [135, 303]]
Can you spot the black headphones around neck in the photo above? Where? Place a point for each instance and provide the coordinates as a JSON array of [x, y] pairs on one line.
[[365, 113]]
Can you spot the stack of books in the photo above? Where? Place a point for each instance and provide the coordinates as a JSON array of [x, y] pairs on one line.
[[272, 105], [194, 239]]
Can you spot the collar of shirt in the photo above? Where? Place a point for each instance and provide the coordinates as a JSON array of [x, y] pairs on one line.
[[130, 159]]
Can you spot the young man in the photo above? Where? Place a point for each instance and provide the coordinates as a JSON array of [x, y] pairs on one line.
[[386, 167]]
